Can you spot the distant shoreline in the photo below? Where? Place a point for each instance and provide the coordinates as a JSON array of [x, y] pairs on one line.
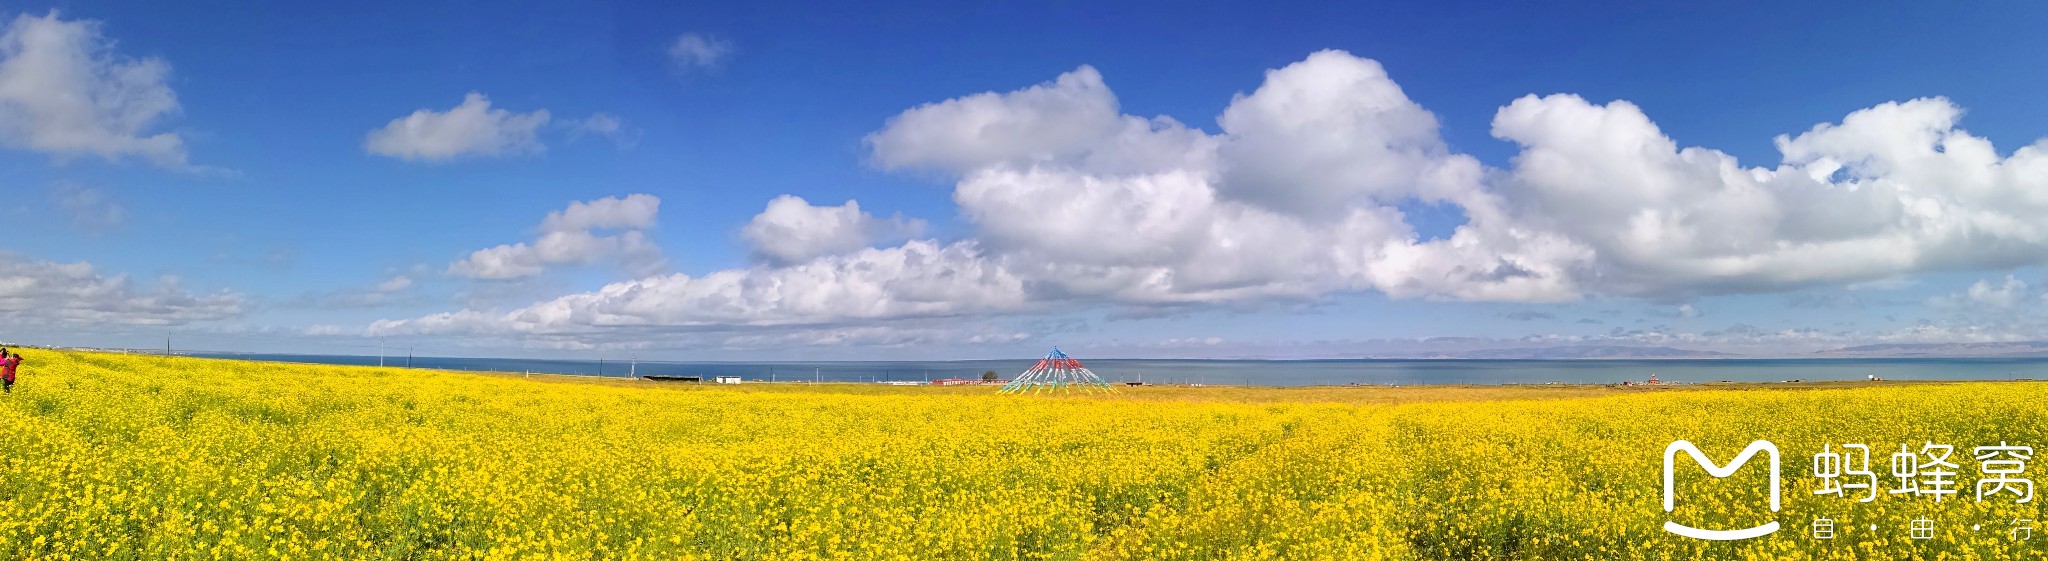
[[1386, 358], [1238, 372]]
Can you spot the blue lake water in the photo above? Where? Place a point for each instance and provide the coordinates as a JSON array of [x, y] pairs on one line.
[[1266, 372]]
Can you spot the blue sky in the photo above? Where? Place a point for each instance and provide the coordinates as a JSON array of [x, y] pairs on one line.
[[1131, 180]]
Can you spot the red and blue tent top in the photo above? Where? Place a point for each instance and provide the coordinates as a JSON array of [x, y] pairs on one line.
[[1056, 372]]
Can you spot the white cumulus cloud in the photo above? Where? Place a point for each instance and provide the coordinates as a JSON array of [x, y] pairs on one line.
[[1326, 131], [792, 230], [610, 228], [1294, 199], [472, 128], [1044, 122], [1893, 189], [65, 91]]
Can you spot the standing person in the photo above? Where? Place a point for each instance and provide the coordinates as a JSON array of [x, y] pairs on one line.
[[7, 364]]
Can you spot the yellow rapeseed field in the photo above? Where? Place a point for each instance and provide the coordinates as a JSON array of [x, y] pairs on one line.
[[114, 456]]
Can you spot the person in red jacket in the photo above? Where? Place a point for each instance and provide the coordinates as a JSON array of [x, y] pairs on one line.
[[7, 364]]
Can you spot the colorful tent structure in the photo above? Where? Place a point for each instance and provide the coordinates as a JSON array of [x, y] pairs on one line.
[[1056, 372]]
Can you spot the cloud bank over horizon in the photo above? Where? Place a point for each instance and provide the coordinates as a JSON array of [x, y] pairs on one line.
[[1298, 196]]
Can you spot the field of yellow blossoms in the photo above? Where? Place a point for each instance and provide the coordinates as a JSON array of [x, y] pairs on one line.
[[115, 456]]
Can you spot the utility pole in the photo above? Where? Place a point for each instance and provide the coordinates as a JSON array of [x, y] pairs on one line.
[[167, 343], [600, 368], [380, 352], [408, 356]]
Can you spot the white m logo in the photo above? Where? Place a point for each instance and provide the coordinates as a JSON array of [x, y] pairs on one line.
[[1671, 452]]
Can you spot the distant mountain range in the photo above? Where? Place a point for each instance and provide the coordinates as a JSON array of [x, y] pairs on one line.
[[1570, 353], [2019, 349]]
